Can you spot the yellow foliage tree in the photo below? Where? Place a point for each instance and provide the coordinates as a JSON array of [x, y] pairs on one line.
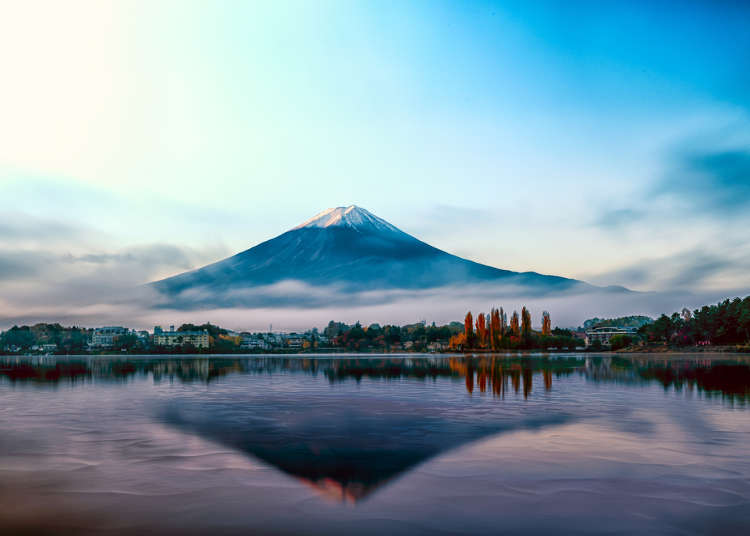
[[546, 324]]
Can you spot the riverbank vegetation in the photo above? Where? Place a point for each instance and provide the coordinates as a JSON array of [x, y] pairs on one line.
[[724, 324]]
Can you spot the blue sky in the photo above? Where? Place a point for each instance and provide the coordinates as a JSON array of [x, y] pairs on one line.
[[608, 141]]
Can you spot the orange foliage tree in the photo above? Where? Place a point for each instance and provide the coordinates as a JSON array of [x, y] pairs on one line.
[[495, 329], [457, 342], [514, 329], [481, 330], [469, 329]]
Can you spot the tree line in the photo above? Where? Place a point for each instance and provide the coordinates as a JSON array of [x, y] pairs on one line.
[[414, 337], [726, 323], [494, 332]]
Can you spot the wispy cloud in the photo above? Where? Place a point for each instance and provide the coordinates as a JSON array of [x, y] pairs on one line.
[[715, 181], [687, 228], [40, 285], [689, 271], [293, 305], [616, 219], [22, 230]]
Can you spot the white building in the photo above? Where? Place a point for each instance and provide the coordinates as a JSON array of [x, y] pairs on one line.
[[253, 342], [171, 338], [604, 334], [107, 336]]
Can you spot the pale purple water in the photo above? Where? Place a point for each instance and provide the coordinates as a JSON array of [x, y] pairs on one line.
[[240, 445]]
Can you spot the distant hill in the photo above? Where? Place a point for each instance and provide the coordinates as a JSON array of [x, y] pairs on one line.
[[623, 322]]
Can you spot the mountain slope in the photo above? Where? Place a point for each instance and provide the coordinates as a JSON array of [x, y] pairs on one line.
[[355, 250]]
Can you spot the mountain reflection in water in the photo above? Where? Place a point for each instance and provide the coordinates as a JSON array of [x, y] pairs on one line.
[[346, 448], [523, 444]]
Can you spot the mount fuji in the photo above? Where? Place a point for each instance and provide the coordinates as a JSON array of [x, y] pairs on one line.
[[346, 247]]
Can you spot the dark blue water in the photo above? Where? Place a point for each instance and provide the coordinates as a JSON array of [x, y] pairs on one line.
[[571, 444]]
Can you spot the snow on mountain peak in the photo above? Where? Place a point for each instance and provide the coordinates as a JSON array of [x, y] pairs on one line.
[[351, 216]]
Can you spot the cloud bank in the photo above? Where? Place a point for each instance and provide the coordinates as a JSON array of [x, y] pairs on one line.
[[293, 305]]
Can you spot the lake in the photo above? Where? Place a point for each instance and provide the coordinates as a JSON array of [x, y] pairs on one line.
[[417, 444]]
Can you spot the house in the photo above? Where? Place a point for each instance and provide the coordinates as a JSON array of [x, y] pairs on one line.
[[272, 339], [253, 342], [437, 346]]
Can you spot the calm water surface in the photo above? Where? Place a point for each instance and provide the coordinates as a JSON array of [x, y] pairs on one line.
[[571, 444]]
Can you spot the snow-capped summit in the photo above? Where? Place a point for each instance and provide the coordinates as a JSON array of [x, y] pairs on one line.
[[352, 216]]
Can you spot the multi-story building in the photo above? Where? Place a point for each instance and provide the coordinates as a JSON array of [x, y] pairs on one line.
[[604, 334], [172, 338], [107, 336]]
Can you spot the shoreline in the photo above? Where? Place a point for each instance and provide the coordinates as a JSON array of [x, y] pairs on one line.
[[723, 351], [659, 350]]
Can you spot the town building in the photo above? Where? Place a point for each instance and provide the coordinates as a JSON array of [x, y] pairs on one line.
[[171, 338], [143, 336], [437, 346], [253, 342], [604, 335], [295, 341], [107, 336]]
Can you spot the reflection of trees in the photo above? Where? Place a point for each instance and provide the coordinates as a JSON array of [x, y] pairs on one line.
[[494, 373], [488, 373], [485, 372], [729, 377], [54, 370]]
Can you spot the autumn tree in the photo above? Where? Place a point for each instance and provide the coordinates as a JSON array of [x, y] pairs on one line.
[[514, 329], [495, 329], [525, 326], [546, 324], [491, 330], [457, 342], [469, 329], [481, 330]]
